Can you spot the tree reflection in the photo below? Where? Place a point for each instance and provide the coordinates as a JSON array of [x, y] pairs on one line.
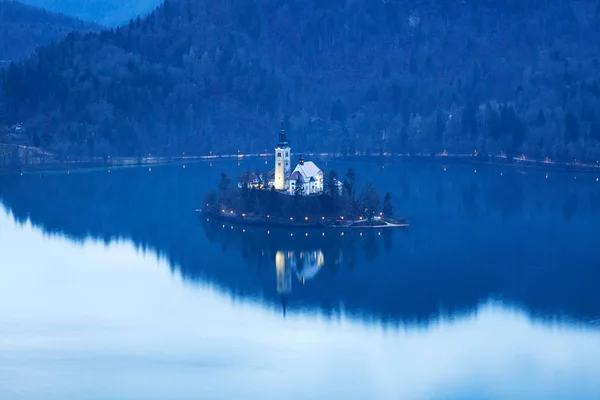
[[474, 237], [306, 251]]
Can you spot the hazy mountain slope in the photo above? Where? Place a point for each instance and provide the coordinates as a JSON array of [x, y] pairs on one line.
[[403, 76], [104, 12], [23, 28]]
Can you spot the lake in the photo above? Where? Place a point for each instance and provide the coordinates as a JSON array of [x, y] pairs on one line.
[[113, 287]]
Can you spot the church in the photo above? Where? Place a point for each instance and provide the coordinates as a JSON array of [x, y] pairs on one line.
[[305, 179]]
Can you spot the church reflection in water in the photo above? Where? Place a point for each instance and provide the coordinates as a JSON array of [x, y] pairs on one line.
[[313, 260], [525, 240], [302, 265]]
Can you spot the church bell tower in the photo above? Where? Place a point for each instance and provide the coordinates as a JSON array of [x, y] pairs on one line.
[[282, 161]]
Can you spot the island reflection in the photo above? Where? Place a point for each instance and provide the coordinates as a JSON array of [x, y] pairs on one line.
[[519, 239], [298, 257]]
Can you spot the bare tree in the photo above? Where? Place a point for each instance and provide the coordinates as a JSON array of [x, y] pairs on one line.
[[369, 201]]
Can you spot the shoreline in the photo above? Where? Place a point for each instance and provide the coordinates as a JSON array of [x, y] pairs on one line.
[[279, 223], [133, 162]]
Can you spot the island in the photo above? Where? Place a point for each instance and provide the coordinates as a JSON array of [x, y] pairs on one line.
[[304, 197]]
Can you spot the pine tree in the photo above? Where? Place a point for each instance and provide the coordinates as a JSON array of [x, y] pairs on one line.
[[388, 209], [331, 184], [299, 187], [224, 184]]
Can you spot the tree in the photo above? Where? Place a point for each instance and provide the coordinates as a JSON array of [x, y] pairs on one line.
[[211, 201], [571, 127], [331, 187], [350, 180], [260, 178], [388, 209], [338, 112], [224, 184], [299, 187], [370, 200]]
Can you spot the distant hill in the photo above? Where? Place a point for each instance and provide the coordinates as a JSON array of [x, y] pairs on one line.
[[378, 76], [104, 12], [23, 28]]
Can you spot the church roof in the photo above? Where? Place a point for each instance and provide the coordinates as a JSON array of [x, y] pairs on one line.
[[308, 170], [297, 175]]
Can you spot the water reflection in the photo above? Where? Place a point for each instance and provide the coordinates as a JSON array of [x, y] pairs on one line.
[[521, 238], [93, 321]]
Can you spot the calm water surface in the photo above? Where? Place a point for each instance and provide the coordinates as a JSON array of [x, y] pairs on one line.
[[112, 287]]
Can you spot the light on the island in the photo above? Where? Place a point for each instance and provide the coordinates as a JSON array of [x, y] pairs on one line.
[[323, 233], [268, 232], [243, 214], [341, 217], [268, 216], [149, 169], [223, 226], [183, 166], [379, 233], [306, 233], [361, 234], [360, 218], [306, 218], [291, 218], [243, 231], [231, 212], [291, 234], [323, 218], [342, 234], [596, 179], [223, 210]]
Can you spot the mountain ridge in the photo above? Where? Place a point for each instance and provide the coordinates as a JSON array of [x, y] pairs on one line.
[[104, 12], [24, 27], [347, 76]]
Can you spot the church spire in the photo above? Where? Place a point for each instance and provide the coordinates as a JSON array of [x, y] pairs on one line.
[[282, 137]]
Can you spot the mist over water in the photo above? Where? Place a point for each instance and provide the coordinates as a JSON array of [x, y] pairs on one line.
[[111, 286]]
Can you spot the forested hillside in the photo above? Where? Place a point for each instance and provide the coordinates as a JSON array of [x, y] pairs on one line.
[[104, 12], [23, 28], [348, 75]]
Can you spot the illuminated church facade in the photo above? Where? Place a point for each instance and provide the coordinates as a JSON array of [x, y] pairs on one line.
[[306, 179]]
